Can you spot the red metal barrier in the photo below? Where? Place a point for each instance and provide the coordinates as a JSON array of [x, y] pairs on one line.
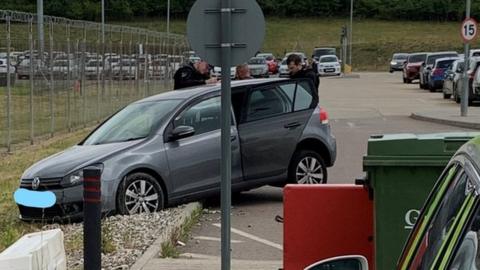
[[324, 221]]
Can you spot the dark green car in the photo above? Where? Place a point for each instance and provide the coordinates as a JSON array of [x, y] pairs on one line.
[[447, 232]]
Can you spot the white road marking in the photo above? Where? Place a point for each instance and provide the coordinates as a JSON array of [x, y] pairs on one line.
[[350, 124], [252, 237], [208, 238]]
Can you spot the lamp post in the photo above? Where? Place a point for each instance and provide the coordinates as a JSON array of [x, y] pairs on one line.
[[168, 17], [350, 34]]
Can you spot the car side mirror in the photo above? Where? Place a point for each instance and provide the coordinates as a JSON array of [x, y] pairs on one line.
[[181, 132], [353, 262]]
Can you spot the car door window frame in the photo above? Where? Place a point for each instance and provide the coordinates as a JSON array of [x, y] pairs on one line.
[[190, 104], [244, 116], [453, 170]]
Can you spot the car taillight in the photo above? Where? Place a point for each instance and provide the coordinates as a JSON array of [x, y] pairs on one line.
[[323, 116]]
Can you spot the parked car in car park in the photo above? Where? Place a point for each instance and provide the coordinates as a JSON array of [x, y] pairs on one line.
[[258, 67], [437, 74], [271, 62], [398, 59], [319, 52], [472, 70], [426, 67], [283, 69], [329, 65], [446, 233], [411, 68], [452, 75], [217, 72], [94, 69], [165, 149]]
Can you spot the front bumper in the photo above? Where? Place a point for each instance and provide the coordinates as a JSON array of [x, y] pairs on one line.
[[69, 206], [329, 71], [396, 67]]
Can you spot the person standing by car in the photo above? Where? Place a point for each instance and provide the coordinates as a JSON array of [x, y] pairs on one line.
[[297, 70], [242, 72], [193, 74]]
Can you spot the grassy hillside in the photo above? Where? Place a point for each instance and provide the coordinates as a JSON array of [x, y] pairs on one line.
[[374, 41]]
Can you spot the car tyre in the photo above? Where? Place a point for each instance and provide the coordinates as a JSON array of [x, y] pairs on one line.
[[307, 167], [447, 96], [140, 193]]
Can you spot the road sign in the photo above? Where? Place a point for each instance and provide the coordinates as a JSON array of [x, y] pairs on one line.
[[247, 30], [469, 29], [226, 33]]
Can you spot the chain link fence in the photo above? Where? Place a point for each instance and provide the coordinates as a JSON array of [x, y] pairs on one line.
[[76, 76]]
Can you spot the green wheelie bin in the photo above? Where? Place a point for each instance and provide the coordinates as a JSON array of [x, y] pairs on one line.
[[401, 169]]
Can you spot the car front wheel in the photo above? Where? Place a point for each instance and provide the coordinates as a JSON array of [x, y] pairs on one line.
[[307, 167], [140, 193]]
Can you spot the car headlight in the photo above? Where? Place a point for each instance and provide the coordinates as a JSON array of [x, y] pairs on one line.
[[76, 178], [393, 63]]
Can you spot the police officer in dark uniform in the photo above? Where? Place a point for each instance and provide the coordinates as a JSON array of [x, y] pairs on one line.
[[193, 75], [297, 70]]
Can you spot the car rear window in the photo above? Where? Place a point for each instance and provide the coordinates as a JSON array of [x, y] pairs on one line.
[[431, 59], [444, 64]]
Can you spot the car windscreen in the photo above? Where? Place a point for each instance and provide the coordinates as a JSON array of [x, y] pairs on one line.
[[320, 52], [400, 56], [417, 58], [444, 63], [328, 59], [256, 61], [431, 59], [134, 122]]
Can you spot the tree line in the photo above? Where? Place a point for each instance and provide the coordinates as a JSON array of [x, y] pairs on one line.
[[438, 10]]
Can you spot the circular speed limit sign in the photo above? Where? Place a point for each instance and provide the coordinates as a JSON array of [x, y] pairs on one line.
[[469, 29]]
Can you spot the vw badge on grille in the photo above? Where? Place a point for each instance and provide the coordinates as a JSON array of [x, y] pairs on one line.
[[35, 183]]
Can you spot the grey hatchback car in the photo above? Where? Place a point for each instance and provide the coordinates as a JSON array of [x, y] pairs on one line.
[[165, 149]]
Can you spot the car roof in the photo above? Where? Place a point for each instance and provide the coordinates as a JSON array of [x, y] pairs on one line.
[[205, 89], [446, 58], [328, 55], [438, 53]]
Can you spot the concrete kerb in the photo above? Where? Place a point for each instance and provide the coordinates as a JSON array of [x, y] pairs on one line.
[[166, 235], [462, 124]]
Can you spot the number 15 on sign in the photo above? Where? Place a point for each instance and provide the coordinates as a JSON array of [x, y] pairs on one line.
[[469, 29]]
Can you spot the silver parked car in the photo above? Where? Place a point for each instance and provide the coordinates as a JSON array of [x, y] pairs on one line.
[[258, 67], [452, 75], [165, 149]]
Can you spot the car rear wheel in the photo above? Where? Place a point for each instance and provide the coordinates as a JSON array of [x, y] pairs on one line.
[[446, 96], [307, 167], [140, 193]]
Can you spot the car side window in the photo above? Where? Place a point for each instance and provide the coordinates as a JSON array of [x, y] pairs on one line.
[[203, 116], [441, 224], [267, 102], [304, 98]]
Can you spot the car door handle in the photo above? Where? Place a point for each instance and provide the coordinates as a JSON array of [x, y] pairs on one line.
[[292, 125]]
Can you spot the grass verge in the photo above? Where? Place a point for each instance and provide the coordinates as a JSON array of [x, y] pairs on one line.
[[12, 166], [169, 248]]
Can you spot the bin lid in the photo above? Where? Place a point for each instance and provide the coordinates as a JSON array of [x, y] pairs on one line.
[[408, 144]]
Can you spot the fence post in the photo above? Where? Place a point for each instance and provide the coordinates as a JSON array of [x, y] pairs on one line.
[[9, 91], [30, 78], [145, 79], [82, 77], [52, 82], [98, 80], [69, 81]]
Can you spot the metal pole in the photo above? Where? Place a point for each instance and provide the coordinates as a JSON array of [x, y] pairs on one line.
[[103, 21], [52, 82], [226, 185], [92, 225], [83, 90], [30, 37], [168, 17], [40, 28], [464, 99], [9, 90], [350, 33], [69, 81]]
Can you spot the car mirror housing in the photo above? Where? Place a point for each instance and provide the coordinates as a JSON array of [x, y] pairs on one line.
[[352, 262], [181, 132]]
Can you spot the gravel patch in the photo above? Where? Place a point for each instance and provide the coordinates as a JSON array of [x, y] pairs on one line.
[[124, 238]]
